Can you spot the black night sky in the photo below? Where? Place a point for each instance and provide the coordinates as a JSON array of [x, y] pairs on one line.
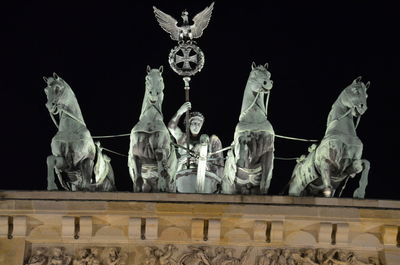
[[101, 49]]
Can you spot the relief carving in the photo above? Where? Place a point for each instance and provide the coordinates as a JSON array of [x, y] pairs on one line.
[[157, 256], [59, 257], [342, 257], [83, 256], [277, 257], [114, 256], [100, 256], [312, 257], [231, 260], [38, 257], [195, 255], [208, 255]]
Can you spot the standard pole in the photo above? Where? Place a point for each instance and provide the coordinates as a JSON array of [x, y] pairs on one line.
[[186, 79]]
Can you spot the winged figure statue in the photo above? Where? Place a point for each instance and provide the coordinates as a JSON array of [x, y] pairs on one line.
[[185, 31]]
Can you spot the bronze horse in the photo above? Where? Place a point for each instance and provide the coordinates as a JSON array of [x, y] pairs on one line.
[[152, 160], [76, 159], [338, 156], [248, 168]]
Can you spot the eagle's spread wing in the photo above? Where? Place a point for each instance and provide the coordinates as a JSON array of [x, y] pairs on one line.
[[201, 21], [167, 23]]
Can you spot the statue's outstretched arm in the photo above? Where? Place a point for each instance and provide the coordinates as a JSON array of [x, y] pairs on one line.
[[173, 123]]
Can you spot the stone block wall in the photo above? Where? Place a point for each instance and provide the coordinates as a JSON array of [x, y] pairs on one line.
[[131, 228]]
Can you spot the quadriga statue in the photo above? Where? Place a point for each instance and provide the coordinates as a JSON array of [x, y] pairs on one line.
[[76, 159], [152, 160], [338, 156], [248, 168]]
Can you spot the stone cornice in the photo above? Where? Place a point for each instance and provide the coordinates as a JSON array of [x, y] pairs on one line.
[[199, 198]]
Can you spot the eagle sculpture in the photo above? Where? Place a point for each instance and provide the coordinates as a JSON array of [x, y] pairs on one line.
[[186, 31]]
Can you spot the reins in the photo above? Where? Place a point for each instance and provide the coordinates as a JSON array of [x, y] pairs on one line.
[[296, 139], [111, 136], [251, 105], [266, 114], [345, 115], [73, 117], [54, 120], [176, 145], [218, 151], [111, 151]]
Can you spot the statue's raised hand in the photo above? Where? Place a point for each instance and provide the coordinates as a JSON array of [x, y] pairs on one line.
[[185, 107]]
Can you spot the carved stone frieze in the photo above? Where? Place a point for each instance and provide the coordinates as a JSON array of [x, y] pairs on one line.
[[72, 255], [159, 256], [100, 256], [194, 255], [218, 255], [49, 256]]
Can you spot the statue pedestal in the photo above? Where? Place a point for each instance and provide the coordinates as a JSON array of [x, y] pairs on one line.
[[143, 227]]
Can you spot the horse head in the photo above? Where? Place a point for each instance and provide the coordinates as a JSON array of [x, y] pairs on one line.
[[154, 85], [261, 78], [355, 96], [55, 92]]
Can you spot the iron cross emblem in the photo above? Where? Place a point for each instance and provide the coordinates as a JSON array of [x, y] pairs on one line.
[[186, 59]]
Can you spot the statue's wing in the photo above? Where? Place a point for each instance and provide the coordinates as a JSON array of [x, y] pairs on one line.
[[167, 23], [201, 21]]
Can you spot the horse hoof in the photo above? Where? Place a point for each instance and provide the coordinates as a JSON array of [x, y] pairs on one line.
[[327, 192]]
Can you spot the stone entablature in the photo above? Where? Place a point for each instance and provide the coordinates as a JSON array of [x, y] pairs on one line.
[[140, 228]]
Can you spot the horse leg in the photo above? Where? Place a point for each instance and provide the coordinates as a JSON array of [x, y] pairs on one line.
[[360, 191], [53, 163], [135, 170], [245, 189], [298, 184], [109, 182], [228, 180], [163, 174], [329, 160], [243, 152], [294, 187], [266, 173], [86, 174], [110, 179], [150, 185], [326, 170]]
